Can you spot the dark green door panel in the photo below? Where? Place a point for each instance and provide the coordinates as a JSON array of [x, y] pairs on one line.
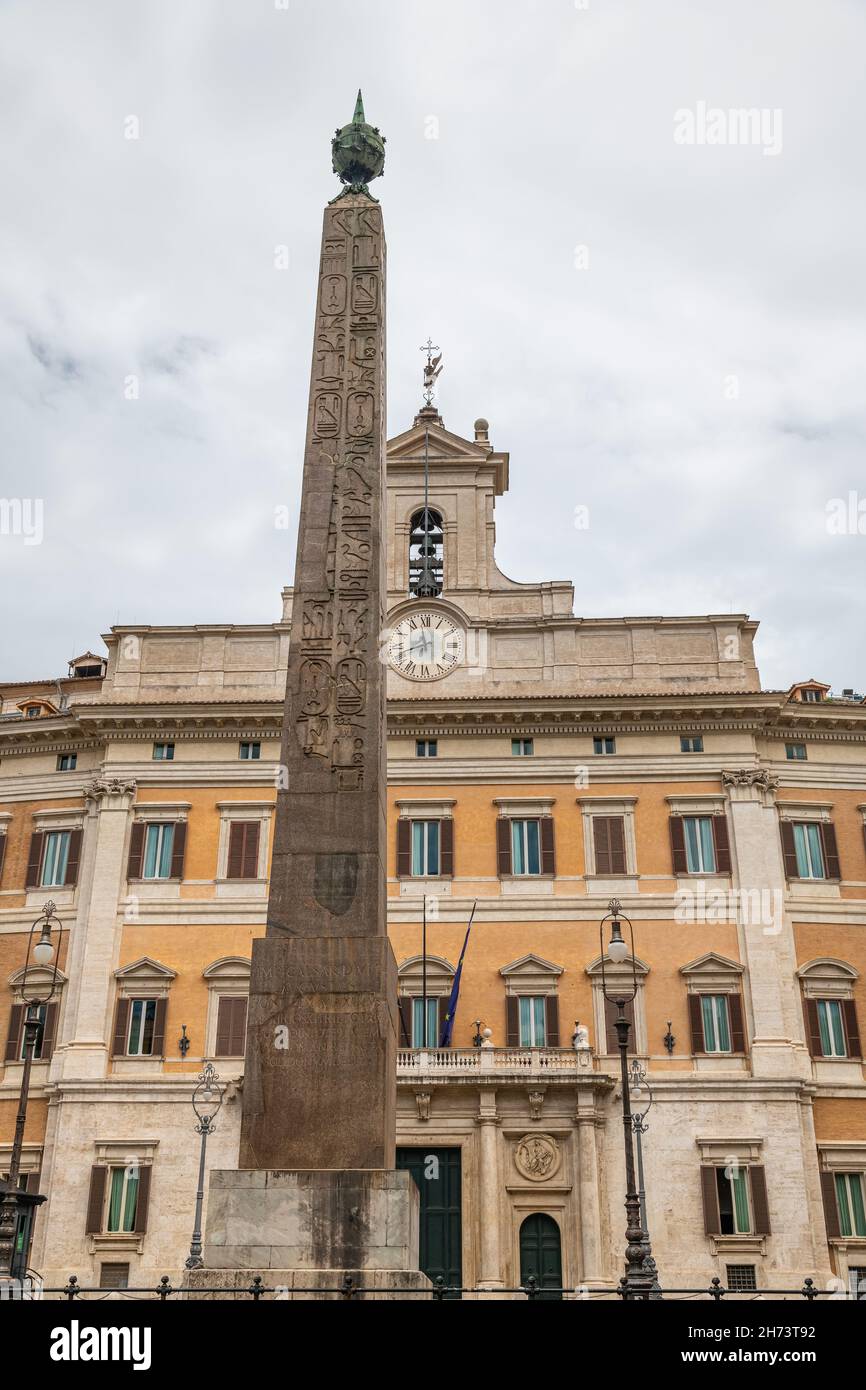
[[437, 1177], [541, 1254]]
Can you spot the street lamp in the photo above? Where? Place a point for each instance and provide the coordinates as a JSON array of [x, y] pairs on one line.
[[639, 1085], [206, 1101], [16, 1208], [620, 990]]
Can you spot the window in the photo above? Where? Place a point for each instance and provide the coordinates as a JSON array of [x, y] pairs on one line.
[[525, 847], [426, 553], [849, 1199], [66, 762], [522, 748], [532, 1021], [426, 748], [243, 853], [425, 848], [732, 1188], [158, 849], [419, 1037], [700, 848], [857, 1282], [604, 745], [609, 844], [716, 1022], [114, 1276], [795, 752], [693, 744], [142, 1027], [812, 697], [231, 1032], [741, 1278], [55, 858], [249, 752], [809, 850], [122, 1198], [831, 1027], [163, 752]]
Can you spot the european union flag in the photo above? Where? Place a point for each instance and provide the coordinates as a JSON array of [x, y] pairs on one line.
[[448, 1022]]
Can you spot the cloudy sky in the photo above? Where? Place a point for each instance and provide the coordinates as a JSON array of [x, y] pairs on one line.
[[667, 334]]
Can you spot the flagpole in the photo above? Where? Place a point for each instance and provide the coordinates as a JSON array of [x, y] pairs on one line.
[[424, 969]]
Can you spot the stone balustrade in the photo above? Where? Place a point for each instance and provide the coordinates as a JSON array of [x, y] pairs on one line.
[[519, 1061]]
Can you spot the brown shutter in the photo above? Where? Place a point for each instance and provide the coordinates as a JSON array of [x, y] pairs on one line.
[[121, 1025], [231, 1026], [813, 1028], [96, 1199], [3, 839], [404, 848], [224, 1025], [616, 827], [611, 1014], [852, 1032], [735, 1014], [789, 851], [136, 850], [443, 1010], [159, 1028], [13, 1040], [73, 859], [710, 1199], [722, 844], [601, 840], [512, 1021], [405, 1007], [551, 1019], [760, 1206], [178, 848], [503, 847], [696, 1023], [548, 853], [143, 1201], [446, 847], [831, 850], [237, 834], [32, 1182], [831, 1206], [34, 859], [250, 865], [678, 845], [49, 1030]]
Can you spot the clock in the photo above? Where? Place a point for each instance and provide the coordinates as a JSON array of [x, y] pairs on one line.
[[425, 646]]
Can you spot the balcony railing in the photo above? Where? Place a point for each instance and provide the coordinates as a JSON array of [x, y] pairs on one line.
[[523, 1061]]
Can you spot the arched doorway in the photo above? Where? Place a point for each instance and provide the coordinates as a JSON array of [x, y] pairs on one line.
[[541, 1254]]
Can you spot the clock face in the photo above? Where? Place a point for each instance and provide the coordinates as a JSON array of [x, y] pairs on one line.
[[425, 646]]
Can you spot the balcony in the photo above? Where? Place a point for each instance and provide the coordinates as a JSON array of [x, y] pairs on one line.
[[467, 1062]]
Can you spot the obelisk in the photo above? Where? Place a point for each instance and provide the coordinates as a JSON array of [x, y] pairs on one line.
[[316, 1189]]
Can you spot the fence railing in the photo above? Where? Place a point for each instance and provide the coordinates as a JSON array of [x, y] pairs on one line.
[[523, 1060]]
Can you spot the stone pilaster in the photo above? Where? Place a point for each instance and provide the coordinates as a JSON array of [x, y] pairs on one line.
[[589, 1192], [490, 1275]]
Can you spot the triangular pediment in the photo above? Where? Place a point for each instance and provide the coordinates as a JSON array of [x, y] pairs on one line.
[[442, 444], [710, 964], [531, 965]]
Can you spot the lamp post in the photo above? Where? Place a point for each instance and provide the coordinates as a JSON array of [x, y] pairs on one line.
[[206, 1101], [620, 990], [16, 1208], [639, 1084]]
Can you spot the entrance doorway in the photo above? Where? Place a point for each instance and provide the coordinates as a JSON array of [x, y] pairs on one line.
[[541, 1254], [437, 1177]]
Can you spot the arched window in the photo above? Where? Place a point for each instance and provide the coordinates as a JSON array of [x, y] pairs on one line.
[[426, 553]]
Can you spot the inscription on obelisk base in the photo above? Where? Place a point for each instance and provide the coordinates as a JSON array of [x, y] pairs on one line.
[[316, 1195]]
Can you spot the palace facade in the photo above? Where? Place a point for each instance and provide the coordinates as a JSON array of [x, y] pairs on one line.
[[539, 765]]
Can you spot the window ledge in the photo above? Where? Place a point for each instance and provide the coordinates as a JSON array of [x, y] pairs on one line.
[[116, 1240], [438, 886], [739, 1245], [714, 874]]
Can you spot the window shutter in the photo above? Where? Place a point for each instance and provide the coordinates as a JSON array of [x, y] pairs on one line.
[[551, 1020], [405, 1007], [601, 841], [237, 834], [831, 850], [849, 1012], [512, 1021], [3, 839], [722, 844], [760, 1206], [250, 865], [159, 1028], [446, 847], [813, 1029], [678, 845], [136, 850], [710, 1199], [404, 847], [121, 1025], [696, 1023], [789, 852], [831, 1206], [73, 859], [96, 1199], [34, 859], [231, 1026], [443, 1010], [616, 831], [49, 1030], [503, 848], [143, 1201], [735, 1014], [32, 1182], [224, 1025], [548, 853], [178, 849], [13, 1040], [611, 1014]]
